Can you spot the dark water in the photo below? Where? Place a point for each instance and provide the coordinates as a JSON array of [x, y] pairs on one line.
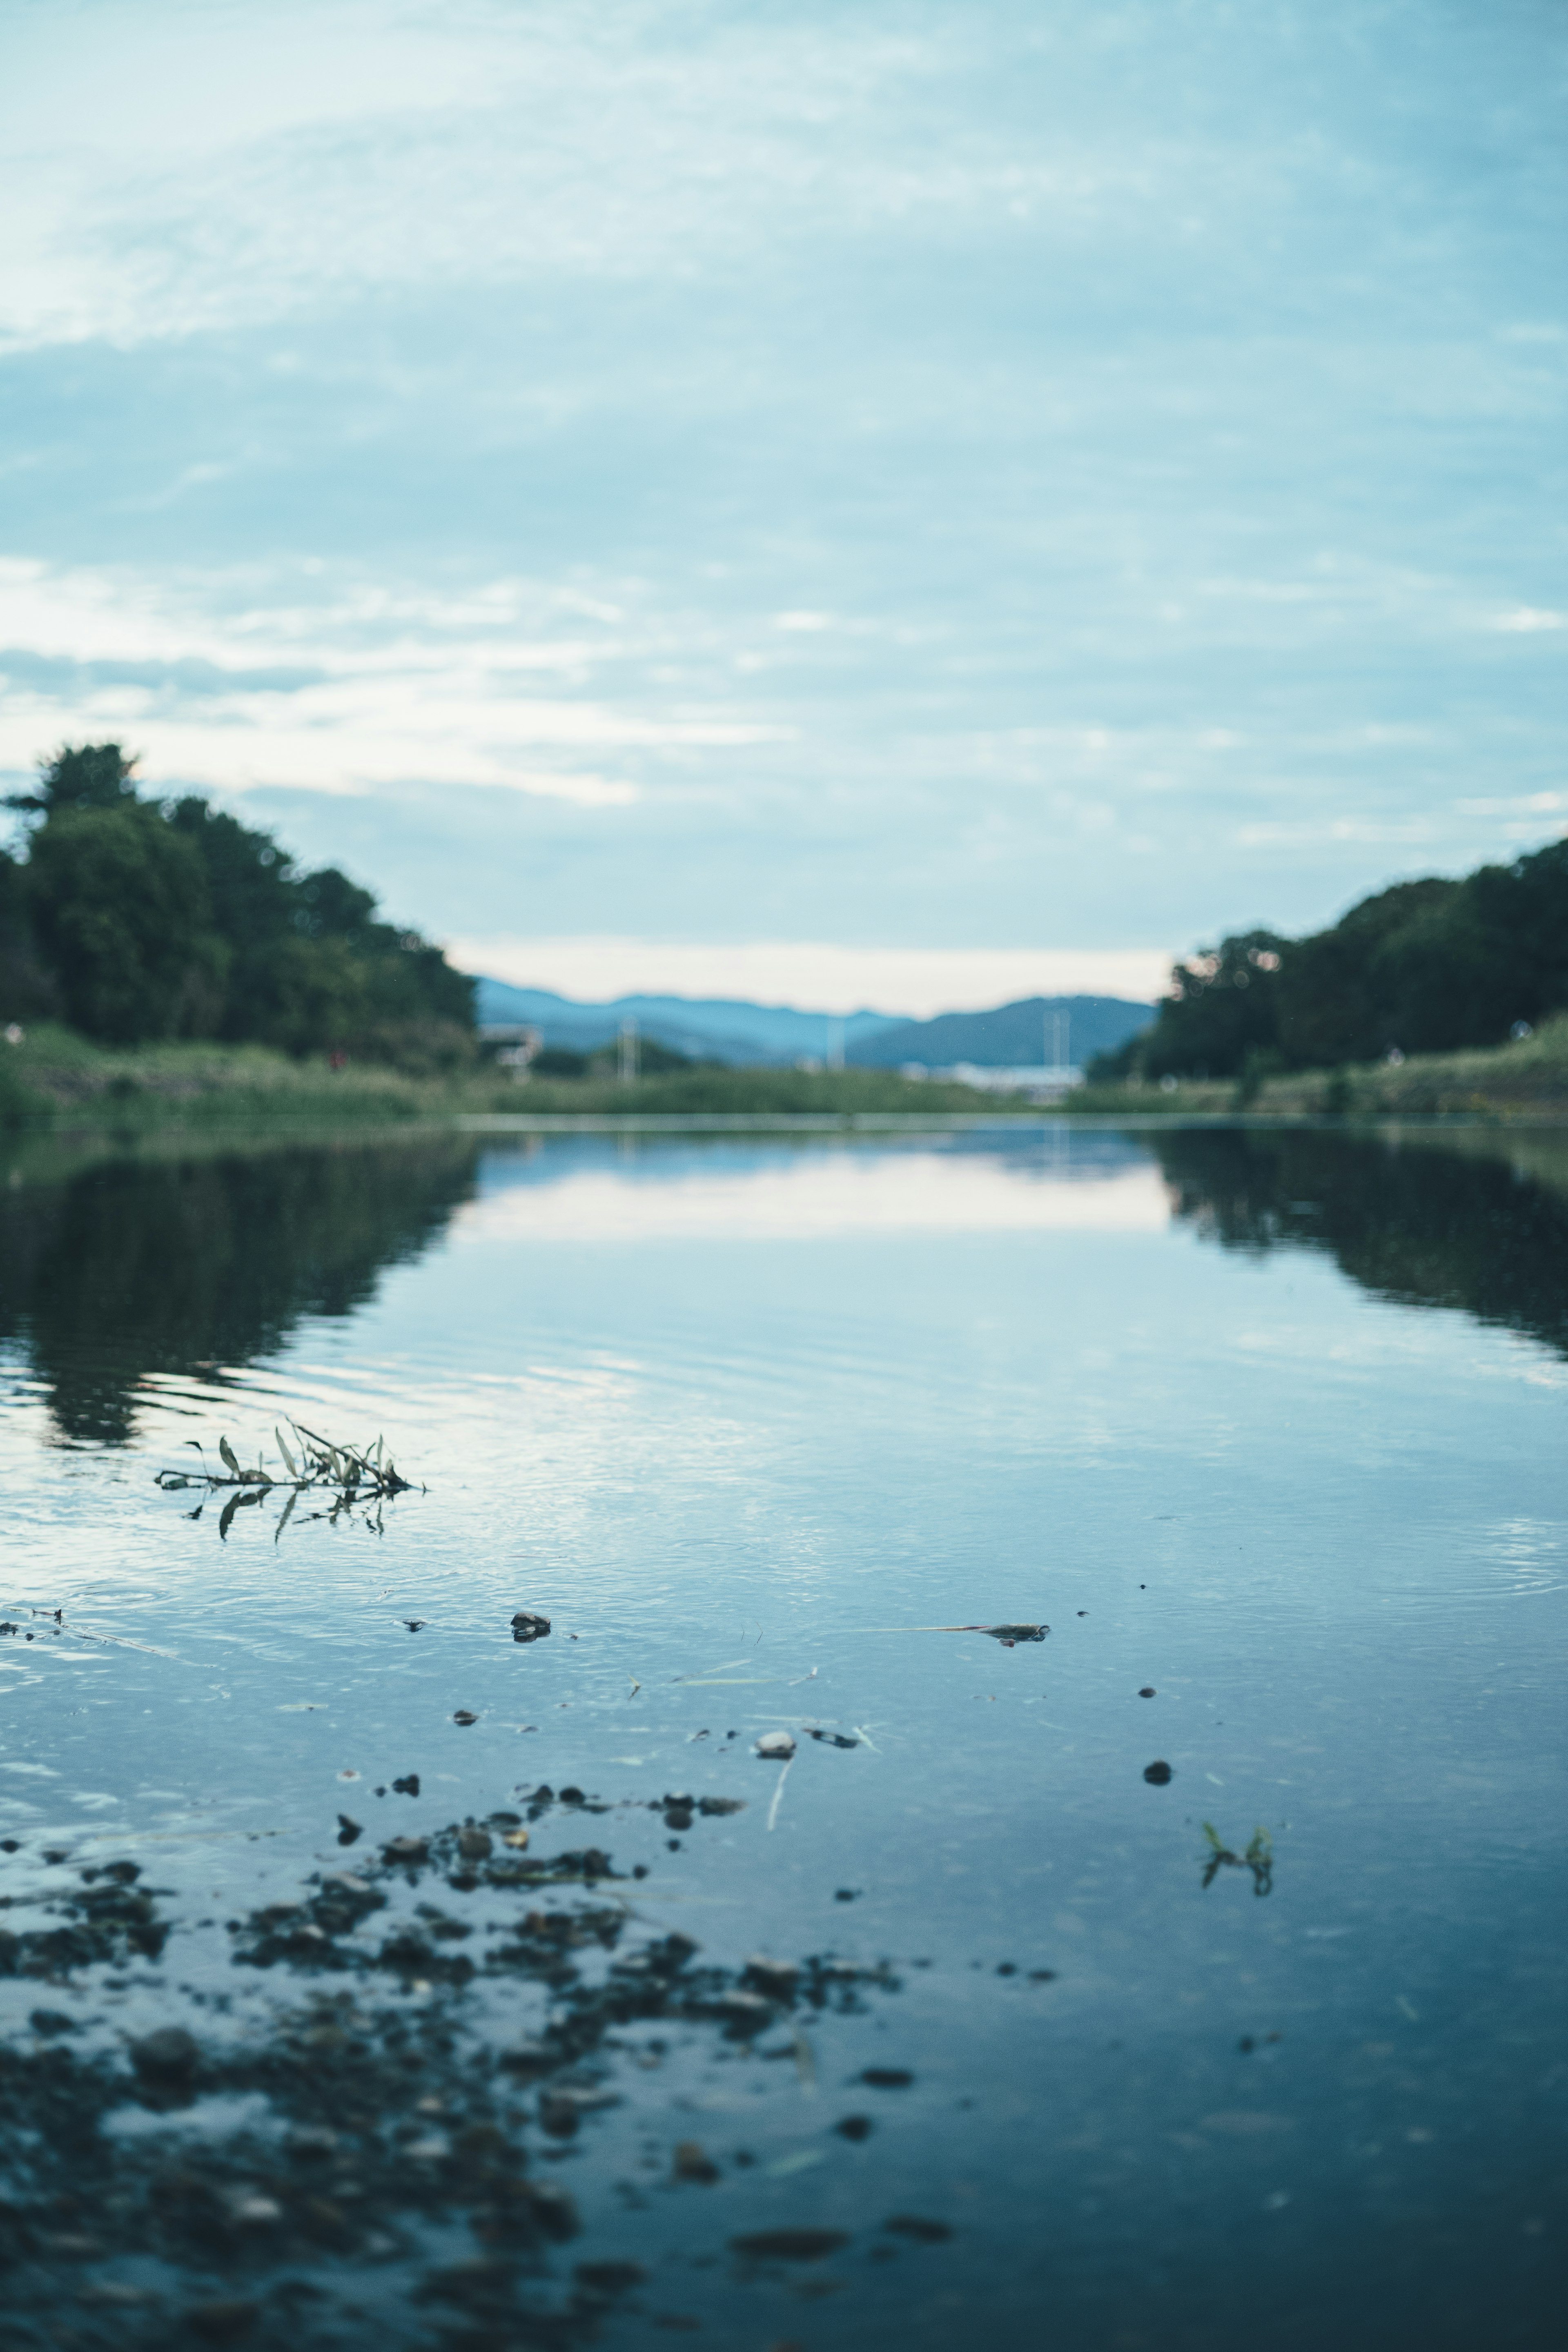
[[1270, 1423]]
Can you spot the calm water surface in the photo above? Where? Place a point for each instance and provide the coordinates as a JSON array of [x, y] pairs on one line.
[[1268, 1425]]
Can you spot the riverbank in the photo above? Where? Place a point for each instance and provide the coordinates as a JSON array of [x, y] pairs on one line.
[[1527, 1078], [58, 1081]]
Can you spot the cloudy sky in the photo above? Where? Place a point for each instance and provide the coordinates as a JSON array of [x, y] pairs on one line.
[[852, 502]]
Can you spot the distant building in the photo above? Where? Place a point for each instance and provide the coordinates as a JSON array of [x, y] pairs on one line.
[[513, 1044], [1041, 1081]]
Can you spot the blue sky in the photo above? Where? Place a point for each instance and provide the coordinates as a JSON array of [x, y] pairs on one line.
[[900, 503]]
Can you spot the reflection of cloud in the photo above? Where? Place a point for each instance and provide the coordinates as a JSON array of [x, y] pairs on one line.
[[817, 1197]]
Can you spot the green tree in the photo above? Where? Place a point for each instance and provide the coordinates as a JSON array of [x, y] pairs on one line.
[[90, 776], [122, 915]]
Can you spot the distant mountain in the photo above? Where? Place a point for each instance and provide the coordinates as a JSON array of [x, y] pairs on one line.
[[713, 1029], [1015, 1037]]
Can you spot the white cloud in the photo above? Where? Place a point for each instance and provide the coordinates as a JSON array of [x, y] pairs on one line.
[[817, 975], [388, 687], [1527, 620]]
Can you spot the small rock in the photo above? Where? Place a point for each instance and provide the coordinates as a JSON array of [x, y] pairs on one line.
[[1147, 1691], [1158, 1773], [776, 1747], [789, 2245], [169, 2055], [405, 1848], [692, 2163], [887, 2078], [776, 1977], [222, 2321], [609, 2278], [475, 1845], [407, 1786], [463, 1716], [415, 1624], [516, 1839], [529, 2058], [854, 2127], [348, 1830], [914, 2225], [527, 1627]]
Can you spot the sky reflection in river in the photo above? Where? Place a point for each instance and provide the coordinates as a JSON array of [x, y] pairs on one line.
[[741, 1417]]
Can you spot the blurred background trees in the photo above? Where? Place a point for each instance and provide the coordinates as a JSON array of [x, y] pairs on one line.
[[136, 919], [1426, 967]]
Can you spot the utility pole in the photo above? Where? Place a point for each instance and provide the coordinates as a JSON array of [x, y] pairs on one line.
[[628, 1052]]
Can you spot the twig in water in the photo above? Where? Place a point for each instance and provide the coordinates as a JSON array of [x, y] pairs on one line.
[[352, 1475], [778, 1793]]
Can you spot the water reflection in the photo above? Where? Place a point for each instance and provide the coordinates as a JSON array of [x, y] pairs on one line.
[[132, 1267], [1474, 1221]]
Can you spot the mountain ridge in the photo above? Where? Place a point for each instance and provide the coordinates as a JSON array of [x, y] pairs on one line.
[[733, 1029]]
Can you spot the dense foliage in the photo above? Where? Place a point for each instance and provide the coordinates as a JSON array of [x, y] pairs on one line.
[[136, 919], [1428, 967]]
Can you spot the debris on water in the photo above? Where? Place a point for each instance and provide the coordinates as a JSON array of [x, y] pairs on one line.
[[1010, 1634], [776, 1747], [854, 2127], [528, 1627], [915, 2225], [1147, 1691], [516, 1839], [1258, 1858], [408, 1786], [887, 2078], [348, 1830], [844, 1894], [831, 1738], [789, 2245], [692, 2162], [1158, 1773], [465, 1715]]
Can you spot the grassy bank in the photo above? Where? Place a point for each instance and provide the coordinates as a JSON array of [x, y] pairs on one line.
[[1526, 1080], [57, 1080]]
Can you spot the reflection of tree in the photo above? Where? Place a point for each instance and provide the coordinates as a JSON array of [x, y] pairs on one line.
[[1429, 1225], [133, 1267]]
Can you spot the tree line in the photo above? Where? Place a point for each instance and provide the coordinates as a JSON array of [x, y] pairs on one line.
[[135, 920], [1426, 967]]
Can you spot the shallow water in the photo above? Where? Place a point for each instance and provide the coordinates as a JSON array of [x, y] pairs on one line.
[[1268, 1423]]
